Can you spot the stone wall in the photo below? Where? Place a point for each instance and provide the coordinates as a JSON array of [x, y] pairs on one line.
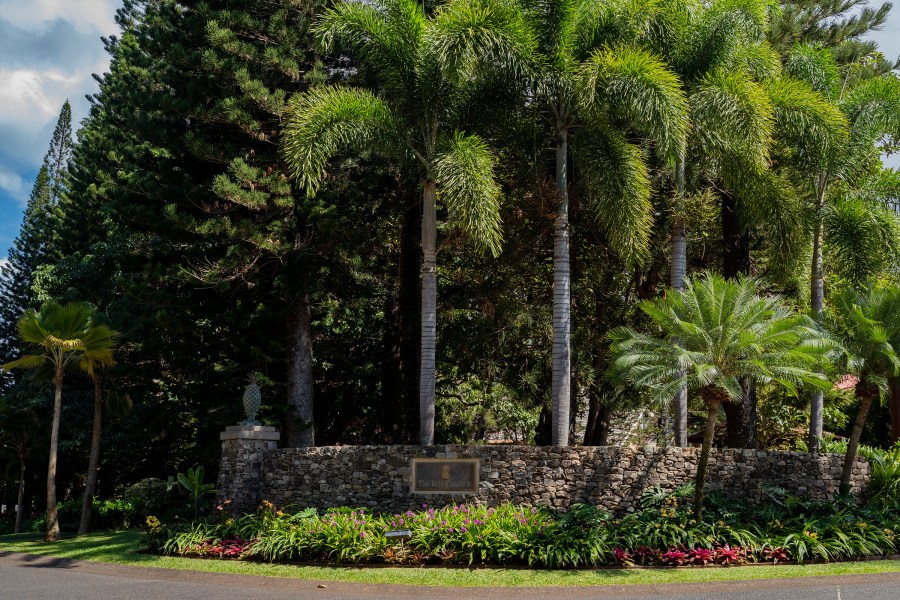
[[240, 468], [379, 477]]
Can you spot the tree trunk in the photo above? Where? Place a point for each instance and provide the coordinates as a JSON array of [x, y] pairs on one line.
[[429, 314], [894, 406], [52, 517], [20, 505], [740, 416], [676, 281], [713, 398], [93, 461], [410, 301], [562, 352], [300, 425], [817, 304], [866, 392]]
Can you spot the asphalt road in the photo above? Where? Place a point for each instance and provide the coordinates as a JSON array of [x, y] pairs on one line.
[[27, 577]]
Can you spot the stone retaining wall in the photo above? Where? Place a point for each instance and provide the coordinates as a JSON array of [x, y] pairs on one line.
[[379, 477]]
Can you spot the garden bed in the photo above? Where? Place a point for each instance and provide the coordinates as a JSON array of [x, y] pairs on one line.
[[664, 533]]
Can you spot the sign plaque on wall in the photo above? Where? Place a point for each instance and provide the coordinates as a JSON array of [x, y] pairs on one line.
[[445, 475]]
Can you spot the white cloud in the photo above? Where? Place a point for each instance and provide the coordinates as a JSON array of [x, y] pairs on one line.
[[14, 185], [89, 16], [34, 96]]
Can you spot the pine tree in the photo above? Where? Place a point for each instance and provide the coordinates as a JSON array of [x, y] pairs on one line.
[[56, 161], [28, 252], [840, 25]]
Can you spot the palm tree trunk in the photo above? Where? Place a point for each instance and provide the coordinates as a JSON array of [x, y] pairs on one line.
[[20, 505], [817, 304], [429, 314], [713, 399], [93, 461], [410, 300], [300, 425], [676, 281], [562, 351], [52, 517], [894, 407], [866, 392]]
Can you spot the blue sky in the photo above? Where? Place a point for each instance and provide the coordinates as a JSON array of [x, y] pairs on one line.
[[48, 51]]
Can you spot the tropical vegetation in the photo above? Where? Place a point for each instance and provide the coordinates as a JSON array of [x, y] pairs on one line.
[[683, 230]]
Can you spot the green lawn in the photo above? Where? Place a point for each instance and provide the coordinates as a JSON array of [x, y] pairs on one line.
[[122, 548]]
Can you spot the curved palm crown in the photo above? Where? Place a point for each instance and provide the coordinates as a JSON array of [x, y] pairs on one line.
[[429, 76], [596, 76], [740, 103], [853, 224], [868, 324], [63, 334], [710, 335]]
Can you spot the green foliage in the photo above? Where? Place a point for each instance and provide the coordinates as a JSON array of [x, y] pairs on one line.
[[662, 532], [192, 481]]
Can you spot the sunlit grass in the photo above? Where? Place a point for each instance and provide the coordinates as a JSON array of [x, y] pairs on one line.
[[123, 547]]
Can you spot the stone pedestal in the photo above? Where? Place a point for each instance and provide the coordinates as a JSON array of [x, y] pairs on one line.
[[243, 448]]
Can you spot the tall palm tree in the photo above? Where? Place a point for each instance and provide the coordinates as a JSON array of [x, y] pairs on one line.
[[427, 80], [596, 75], [867, 323], [62, 335], [858, 207], [116, 403], [709, 336], [738, 100]]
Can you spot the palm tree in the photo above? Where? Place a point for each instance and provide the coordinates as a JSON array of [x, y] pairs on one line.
[[868, 325], [857, 209], [116, 403], [596, 75], [738, 101], [428, 79], [710, 335], [17, 428], [64, 335]]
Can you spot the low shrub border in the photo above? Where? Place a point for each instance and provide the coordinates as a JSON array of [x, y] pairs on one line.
[[663, 533]]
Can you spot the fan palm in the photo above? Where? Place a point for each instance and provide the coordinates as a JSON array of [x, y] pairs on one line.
[[867, 323], [708, 337], [854, 215], [63, 335], [595, 74], [428, 79]]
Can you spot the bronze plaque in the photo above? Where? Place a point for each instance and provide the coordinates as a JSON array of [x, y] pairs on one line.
[[445, 475]]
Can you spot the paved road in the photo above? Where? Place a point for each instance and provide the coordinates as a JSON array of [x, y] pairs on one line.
[[28, 577]]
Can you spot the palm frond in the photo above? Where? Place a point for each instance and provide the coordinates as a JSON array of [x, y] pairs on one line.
[[618, 188], [733, 116], [326, 120], [385, 34], [469, 36], [464, 174], [816, 66], [636, 87]]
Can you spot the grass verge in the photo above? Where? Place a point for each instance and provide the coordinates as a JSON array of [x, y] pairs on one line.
[[122, 547]]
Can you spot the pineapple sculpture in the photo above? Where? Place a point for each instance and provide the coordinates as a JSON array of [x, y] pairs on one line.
[[252, 401]]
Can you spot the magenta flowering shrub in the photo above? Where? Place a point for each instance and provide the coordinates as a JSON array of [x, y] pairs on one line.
[[231, 548]]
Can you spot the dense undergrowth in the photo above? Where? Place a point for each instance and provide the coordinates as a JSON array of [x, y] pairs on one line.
[[663, 532]]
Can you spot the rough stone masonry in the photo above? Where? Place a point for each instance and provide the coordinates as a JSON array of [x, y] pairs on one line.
[[379, 477]]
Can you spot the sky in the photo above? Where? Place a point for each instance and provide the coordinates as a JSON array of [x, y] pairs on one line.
[[48, 51]]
